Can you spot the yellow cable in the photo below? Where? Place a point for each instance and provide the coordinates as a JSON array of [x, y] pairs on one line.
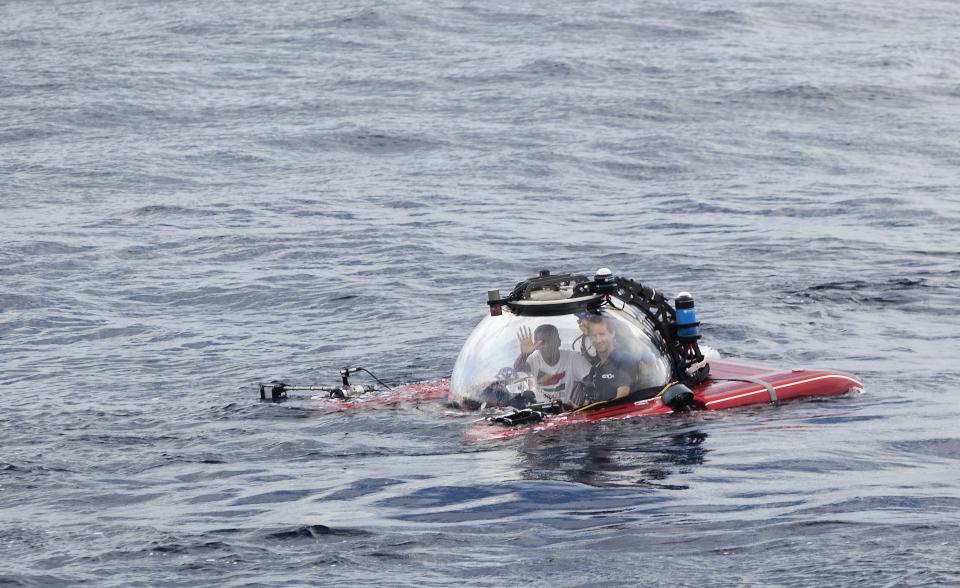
[[583, 408], [665, 388], [589, 406]]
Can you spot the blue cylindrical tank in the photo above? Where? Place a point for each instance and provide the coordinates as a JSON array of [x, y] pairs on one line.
[[687, 325]]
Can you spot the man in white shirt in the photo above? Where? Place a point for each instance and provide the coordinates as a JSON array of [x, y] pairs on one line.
[[554, 370]]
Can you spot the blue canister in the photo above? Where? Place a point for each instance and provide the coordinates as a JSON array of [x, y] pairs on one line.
[[686, 317]]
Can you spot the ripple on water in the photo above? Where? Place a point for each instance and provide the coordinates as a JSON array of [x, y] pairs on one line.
[[201, 199]]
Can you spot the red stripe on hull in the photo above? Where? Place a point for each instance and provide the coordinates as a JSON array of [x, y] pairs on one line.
[[787, 386]]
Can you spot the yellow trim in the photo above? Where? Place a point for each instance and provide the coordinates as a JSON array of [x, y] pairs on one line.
[[583, 408], [601, 402], [665, 388]]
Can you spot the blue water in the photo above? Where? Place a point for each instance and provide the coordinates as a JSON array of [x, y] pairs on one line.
[[197, 197]]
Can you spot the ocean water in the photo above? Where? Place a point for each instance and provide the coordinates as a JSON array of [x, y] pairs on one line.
[[197, 197]]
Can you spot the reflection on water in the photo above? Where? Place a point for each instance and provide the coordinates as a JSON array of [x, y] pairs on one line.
[[617, 455]]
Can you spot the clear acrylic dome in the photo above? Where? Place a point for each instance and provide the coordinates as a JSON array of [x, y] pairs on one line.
[[517, 359]]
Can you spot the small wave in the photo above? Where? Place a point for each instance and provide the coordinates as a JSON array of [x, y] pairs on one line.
[[368, 18], [723, 16], [906, 293], [405, 204], [153, 210], [124, 440], [13, 302], [551, 68], [314, 532], [273, 497], [805, 92], [192, 547], [948, 448], [368, 141], [854, 285], [97, 335], [40, 248], [35, 580], [808, 95], [362, 487], [194, 29]]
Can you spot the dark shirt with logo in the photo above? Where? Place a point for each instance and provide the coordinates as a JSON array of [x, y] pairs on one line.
[[606, 377]]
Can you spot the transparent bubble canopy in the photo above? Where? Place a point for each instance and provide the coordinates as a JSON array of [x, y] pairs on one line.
[[577, 358]]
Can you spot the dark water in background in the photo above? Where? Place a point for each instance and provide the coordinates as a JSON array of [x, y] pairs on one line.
[[196, 197]]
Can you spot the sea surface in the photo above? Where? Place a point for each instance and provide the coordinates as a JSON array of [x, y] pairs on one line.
[[199, 196]]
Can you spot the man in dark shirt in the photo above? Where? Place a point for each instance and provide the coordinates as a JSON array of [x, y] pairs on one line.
[[613, 375]]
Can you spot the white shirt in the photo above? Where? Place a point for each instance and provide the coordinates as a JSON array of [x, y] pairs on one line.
[[555, 382]]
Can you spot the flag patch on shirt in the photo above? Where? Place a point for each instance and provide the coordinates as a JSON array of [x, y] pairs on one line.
[[551, 379]]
